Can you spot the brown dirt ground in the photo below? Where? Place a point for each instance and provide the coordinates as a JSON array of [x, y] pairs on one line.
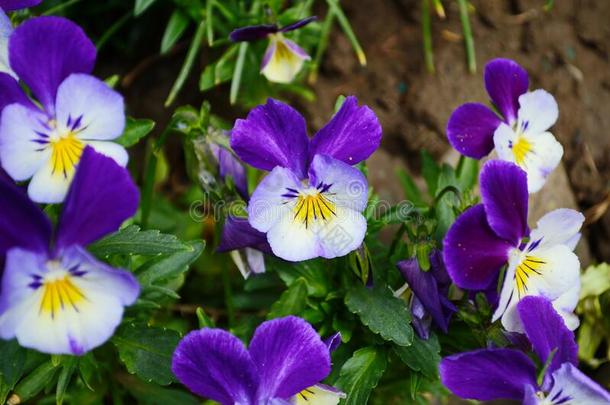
[[565, 50]]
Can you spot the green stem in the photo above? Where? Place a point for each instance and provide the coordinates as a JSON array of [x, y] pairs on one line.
[[239, 69], [427, 35], [468, 38], [151, 170], [324, 36], [60, 7], [188, 63], [347, 28], [112, 30], [226, 279]]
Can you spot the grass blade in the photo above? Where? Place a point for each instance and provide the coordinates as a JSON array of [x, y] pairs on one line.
[[468, 39], [187, 65], [426, 26], [347, 28], [322, 45], [239, 68]]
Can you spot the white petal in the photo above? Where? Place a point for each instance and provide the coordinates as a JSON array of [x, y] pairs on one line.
[[565, 305], [292, 240], [319, 395], [572, 387], [112, 150], [538, 111], [267, 204], [560, 226], [48, 186], [100, 109], [343, 234], [284, 63], [551, 272], [6, 28], [20, 155], [545, 155], [504, 138]]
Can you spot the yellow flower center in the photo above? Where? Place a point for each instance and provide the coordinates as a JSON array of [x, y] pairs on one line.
[[313, 207], [529, 266], [521, 148], [65, 154], [60, 294]]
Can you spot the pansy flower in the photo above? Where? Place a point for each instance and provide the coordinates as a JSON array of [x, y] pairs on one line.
[[430, 288], [520, 133], [493, 234], [54, 58], [284, 364], [491, 374], [283, 59], [310, 204], [6, 28], [55, 297]]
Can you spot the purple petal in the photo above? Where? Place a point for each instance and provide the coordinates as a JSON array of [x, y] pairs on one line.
[[100, 198], [216, 365], [486, 375], [571, 386], [504, 194], [11, 92], [290, 357], [425, 287], [547, 331], [43, 51], [333, 342], [471, 128], [505, 81], [252, 32], [272, 135], [12, 5], [421, 321], [229, 165], [352, 135], [472, 251], [298, 24], [237, 233], [22, 223]]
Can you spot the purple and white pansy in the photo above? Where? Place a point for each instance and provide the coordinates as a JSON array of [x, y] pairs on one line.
[[6, 29], [55, 297], [520, 134], [495, 233], [54, 58], [284, 364], [311, 203], [491, 374], [283, 59]]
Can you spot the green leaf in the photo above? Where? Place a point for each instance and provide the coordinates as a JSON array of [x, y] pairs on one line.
[[313, 271], [169, 266], [151, 394], [141, 6], [13, 362], [147, 351], [177, 24], [134, 131], [69, 364], [204, 320], [412, 192], [422, 356], [383, 313], [218, 72], [36, 381], [467, 173], [430, 172], [132, 240], [361, 373], [291, 302]]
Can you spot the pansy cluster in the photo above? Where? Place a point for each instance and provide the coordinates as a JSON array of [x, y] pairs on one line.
[[56, 297], [491, 245]]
